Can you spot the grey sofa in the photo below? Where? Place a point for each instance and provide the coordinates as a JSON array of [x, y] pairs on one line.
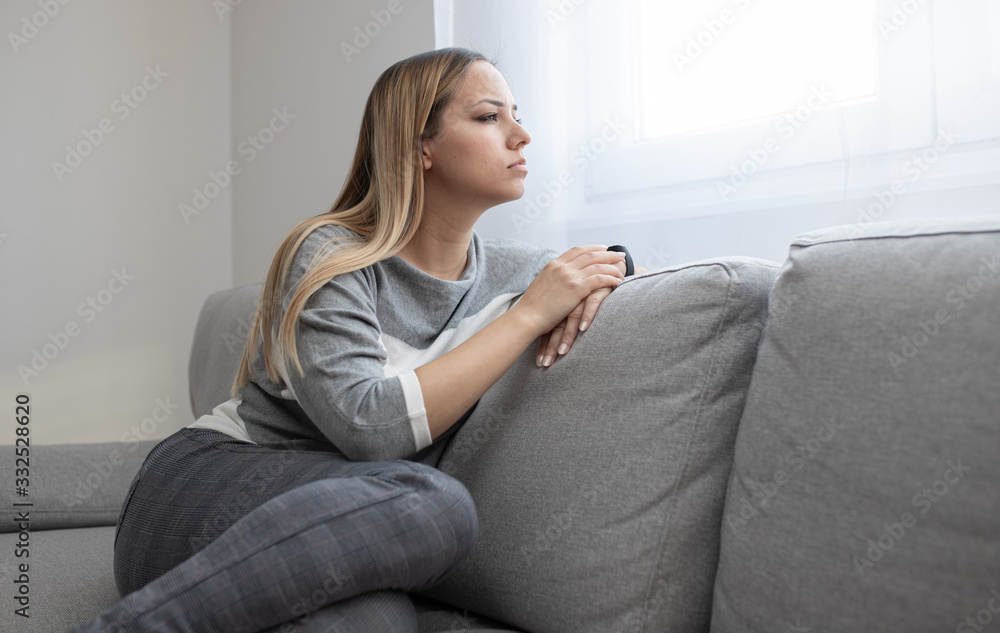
[[734, 446]]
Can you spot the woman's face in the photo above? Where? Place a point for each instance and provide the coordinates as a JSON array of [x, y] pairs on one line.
[[474, 160]]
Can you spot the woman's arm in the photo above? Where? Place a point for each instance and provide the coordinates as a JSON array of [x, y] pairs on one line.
[[345, 392], [452, 383]]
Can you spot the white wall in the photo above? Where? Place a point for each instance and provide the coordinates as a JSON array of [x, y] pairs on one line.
[[296, 55], [62, 240]]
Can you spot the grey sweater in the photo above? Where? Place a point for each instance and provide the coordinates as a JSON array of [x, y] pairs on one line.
[[360, 337]]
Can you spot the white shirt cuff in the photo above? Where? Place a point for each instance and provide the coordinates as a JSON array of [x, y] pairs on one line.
[[415, 410]]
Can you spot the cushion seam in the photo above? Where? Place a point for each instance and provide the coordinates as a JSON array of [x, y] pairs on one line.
[[723, 314]]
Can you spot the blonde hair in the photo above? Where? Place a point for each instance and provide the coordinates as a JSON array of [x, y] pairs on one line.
[[382, 199]]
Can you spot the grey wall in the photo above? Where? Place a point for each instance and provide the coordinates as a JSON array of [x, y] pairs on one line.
[[122, 373], [65, 234], [291, 55]]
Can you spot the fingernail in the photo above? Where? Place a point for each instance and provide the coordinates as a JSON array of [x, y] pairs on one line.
[[547, 360], [538, 361], [584, 325], [563, 348]]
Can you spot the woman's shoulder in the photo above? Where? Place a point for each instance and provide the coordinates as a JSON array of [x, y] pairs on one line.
[[510, 248], [508, 257], [319, 244], [325, 233], [322, 240]]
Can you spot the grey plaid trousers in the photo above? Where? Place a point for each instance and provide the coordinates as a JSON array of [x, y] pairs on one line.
[[222, 535]]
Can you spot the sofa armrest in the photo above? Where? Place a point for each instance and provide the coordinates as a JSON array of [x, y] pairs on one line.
[[74, 485]]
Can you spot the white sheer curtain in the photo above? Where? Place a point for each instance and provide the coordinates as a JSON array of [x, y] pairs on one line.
[[692, 130]]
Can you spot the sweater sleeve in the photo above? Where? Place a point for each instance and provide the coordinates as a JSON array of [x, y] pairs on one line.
[[343, 389]]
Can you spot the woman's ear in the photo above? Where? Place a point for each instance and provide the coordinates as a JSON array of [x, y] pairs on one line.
[[426, 149]]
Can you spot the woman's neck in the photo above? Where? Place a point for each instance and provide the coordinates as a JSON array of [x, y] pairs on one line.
[[439, 248]]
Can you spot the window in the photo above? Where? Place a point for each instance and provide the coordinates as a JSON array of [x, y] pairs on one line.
[[725, 101], [699, 70], [680, 129]]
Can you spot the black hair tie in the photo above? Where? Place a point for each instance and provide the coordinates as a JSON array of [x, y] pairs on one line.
[[629, 266]]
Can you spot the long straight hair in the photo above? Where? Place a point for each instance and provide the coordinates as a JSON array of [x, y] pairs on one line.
[[382, 200]]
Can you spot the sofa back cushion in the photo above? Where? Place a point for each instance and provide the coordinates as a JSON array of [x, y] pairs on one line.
[[219, 338], [865, 491], [599, 481]]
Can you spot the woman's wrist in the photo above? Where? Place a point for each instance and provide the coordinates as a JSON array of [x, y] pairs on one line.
[[521, 319]]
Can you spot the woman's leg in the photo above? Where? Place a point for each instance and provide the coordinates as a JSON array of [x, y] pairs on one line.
[[313, 526]]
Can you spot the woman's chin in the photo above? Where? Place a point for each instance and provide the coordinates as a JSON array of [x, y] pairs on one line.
[[517, 192]]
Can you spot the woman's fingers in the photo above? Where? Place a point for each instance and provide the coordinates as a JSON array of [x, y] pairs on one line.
[[580, 257], [608, 270], [548, 352], [571, 330], [577, 251], [602, 280], [543, 345], [559, 340], [591, 304], [579, 320]]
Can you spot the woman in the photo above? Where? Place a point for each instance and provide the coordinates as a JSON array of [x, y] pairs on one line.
[[381, 323]]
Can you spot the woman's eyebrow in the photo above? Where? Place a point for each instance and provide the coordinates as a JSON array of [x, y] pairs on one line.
[[497, 102]]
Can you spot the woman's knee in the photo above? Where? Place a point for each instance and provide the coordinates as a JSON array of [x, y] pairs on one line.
[[442, 499]]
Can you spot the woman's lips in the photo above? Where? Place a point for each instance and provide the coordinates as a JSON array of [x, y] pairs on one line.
[[521, 165]]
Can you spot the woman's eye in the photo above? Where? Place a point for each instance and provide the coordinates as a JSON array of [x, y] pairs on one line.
[[495, 116]]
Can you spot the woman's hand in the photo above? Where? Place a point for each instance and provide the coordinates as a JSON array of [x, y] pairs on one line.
[[563, 294], [558, 341]]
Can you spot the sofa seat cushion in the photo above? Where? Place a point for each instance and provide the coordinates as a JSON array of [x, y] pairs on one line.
[[70, 578], [599, 481], [866, 485], [437, 617]]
